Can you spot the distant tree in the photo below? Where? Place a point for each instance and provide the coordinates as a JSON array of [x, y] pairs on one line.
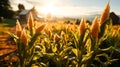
[[89, 22], [77, 21], [21, 7], [5, 9]]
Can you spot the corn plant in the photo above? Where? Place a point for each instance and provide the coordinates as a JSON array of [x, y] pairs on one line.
[[25, 40], [88, 40]]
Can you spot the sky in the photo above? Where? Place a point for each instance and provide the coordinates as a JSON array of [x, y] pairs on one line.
[[68, 7]]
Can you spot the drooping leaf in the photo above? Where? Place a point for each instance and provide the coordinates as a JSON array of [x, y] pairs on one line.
[[110, 61], [65, 51], [87, 57]]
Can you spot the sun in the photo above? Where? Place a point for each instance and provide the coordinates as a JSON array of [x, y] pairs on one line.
[[49, 8]]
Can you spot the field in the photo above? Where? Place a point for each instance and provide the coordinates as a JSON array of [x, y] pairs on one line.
[[56, 44], [56, 34]]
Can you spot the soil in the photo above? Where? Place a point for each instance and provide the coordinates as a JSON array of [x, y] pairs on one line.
[[7, 47]]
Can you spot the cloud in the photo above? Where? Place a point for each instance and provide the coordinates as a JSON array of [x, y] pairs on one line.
[[14, 4], [35, 2]]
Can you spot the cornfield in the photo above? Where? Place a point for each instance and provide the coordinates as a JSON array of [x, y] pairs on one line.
[[96, 45]]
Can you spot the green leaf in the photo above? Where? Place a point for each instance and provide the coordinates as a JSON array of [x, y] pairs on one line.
[[106, 49], [110, 24], [83, 38], [37, 55], [87, 57], [48, 55], [12, 35], [76, 41], [43, 65], [65, 51], [110, 61], [102, 28], [104, 55], [32, 41], [54, 48], [75, 51]]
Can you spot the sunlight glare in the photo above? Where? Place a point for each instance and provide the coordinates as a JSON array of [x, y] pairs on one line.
[[49, 8]]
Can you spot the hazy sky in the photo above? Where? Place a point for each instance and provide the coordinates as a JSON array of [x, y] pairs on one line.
[[68, 7]]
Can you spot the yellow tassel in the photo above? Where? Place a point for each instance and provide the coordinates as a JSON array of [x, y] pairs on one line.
[[63, 35], [56, 37], [30, 21], [40, 28], [82, 26], [49, 33], [18, 29], [95, 28], [105, 14], [68, 28], [23, 37]]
